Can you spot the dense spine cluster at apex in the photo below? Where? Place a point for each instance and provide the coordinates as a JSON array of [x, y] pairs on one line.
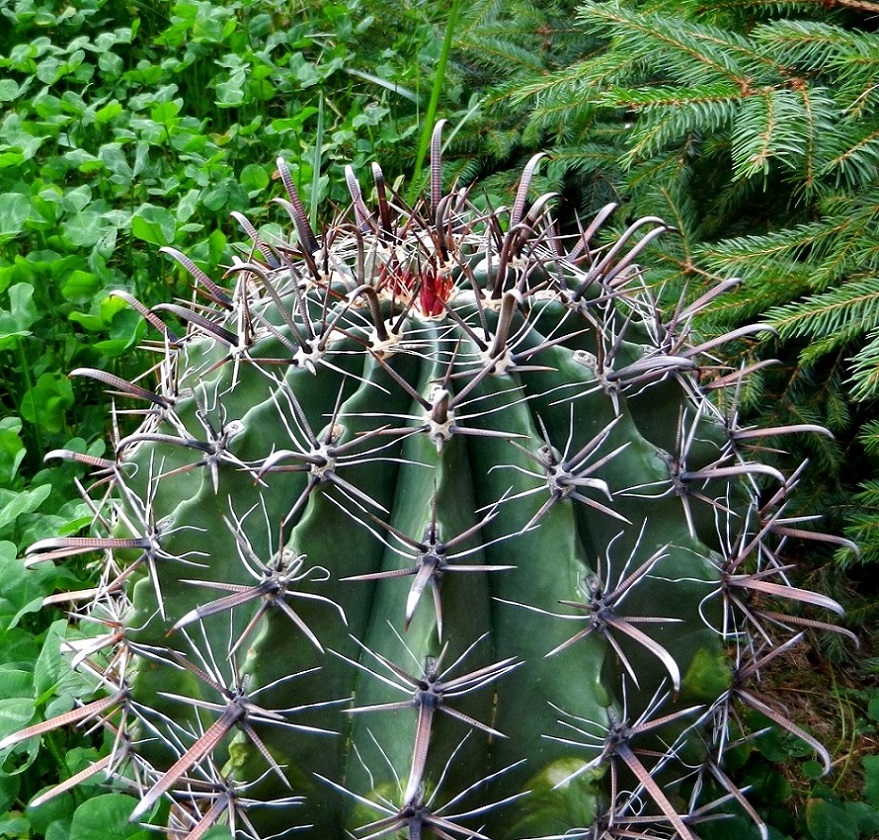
[[434, 525]]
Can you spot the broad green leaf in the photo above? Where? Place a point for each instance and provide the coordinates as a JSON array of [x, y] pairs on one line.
[[18, 646], [210, 22], [228, 194], [813, 770], [57, 809], [866, 816], [217, 246], [77, 199], [115, 160], [9, 90], [126, 329], [59, 830], [284, 125], [99, 321], [871, 783], [17, 320], [827, 821], [13, 157], [159, 93], [52, 668], [165, 112], [12, 424], [16, 682], [92, 323], [187, 205], [46, 403], [230, 93], [85, 229], [15, 714], [62, 807], [153, 224], [110, 307], [31, 607], [14, 211], [14, 503], [105, 41], [49, 70], [107, 818], [84, 161], [772, 787], [47, 106], [254, 178], [105, 246], [372, 115], [21, 270], [12, 450], [9, 787], [112, 66], [14, 826], [80, 286], [71, 519], [307, 74], [77, 56], [23, 309]]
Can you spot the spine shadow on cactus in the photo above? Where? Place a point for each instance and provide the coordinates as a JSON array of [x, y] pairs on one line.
[[432, 525]]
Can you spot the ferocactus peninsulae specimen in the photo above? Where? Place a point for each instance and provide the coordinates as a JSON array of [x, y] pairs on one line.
[[435, 525]]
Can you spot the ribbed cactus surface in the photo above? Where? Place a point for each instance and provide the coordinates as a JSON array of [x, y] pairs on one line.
[[434, 525]]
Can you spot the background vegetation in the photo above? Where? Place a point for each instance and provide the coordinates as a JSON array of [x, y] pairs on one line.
[[751, 126]]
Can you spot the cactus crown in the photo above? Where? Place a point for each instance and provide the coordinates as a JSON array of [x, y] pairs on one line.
[[430, 527]]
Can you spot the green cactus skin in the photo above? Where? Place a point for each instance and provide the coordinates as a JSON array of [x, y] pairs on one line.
[[432, 528]]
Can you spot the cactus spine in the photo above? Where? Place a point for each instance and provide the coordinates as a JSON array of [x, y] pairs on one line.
[[432, 526]]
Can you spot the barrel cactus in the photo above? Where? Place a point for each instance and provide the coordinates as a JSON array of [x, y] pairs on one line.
[[433, 525]]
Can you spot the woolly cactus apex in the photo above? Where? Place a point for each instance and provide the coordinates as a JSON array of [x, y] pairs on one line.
[[432, 526]]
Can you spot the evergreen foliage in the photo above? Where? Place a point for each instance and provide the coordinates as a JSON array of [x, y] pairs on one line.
[[516, 42], [754, 127]]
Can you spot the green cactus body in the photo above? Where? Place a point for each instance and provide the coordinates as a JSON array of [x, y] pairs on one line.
[[428, 530]]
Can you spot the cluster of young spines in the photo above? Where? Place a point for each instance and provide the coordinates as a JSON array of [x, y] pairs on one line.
[[431, 526]]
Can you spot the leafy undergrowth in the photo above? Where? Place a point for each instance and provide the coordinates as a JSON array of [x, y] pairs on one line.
[[126, 128], [787, 788]]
